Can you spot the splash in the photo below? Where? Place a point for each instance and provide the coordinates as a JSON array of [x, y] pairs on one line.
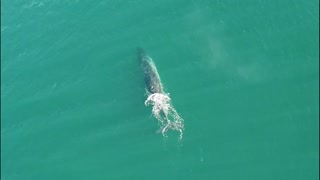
[[164, 112]]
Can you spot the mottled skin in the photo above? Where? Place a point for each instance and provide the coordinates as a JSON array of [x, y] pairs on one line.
[[151, 76], [152, 80]]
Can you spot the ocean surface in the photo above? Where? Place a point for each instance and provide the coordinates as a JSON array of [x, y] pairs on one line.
[[243, 75]]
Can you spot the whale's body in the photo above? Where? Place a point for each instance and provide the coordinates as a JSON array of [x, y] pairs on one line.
[[151, 76], [152, 81], [162, 108]]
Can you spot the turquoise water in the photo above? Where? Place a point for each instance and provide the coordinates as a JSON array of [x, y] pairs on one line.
[[244, 76]]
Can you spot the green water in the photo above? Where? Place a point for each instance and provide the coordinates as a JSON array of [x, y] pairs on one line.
[[244, 76]]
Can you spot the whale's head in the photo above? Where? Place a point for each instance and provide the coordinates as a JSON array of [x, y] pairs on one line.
[[141, 54]]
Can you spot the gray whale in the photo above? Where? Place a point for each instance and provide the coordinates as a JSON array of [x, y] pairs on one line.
[[151, 76], [162, 108], [152, 81]]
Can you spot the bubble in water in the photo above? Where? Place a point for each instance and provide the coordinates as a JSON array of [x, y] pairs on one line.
[[165, 113]]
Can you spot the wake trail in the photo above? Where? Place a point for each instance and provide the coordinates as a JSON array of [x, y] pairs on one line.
[[165, 113]]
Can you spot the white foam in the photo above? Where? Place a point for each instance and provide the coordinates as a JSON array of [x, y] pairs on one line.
[[165, 113]]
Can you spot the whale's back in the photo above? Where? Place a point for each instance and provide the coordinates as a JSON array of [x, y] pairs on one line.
[[151, 76]]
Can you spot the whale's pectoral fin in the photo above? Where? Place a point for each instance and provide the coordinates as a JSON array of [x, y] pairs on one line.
[[163, 129], [166, 125]]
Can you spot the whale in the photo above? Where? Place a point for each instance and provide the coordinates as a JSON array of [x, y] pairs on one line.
[[162, 109], [151, 75], [152, 81]]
